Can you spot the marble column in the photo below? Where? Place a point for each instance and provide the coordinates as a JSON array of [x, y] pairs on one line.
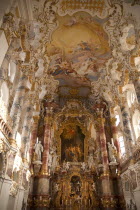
[[107, 194], [33, 135], [115, 132], [116, 176], [33, 140], [25, 136], [18, 102], [19, 199], [47, 139], [40, 197], [5, 185], [4, 68]]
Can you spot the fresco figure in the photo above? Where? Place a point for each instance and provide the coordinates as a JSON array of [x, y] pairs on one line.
[[72, 145]]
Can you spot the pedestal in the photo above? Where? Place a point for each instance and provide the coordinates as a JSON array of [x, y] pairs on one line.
[[137, 197], [19, 199], [36, 167], [4, 193]]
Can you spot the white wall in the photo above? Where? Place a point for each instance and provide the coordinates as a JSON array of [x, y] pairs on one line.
[[3, 46]]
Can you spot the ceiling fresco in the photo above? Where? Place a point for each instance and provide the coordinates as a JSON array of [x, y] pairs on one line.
[[78, 49], [83, 45]]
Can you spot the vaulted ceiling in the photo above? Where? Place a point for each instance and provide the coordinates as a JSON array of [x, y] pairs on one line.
[[84, 47], [85, 50]]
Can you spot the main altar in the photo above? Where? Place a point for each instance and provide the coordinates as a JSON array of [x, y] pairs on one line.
[[79, 165]]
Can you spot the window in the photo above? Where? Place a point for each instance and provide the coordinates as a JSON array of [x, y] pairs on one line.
[[122, 145], [130, 97], [136, 123], [117, 119]]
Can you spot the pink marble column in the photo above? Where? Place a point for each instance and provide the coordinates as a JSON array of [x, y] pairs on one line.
[[121, 201], [107, 189], [34, 135], [103, 145], [47, 139]]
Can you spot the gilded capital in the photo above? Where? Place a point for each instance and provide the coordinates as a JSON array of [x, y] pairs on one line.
[[113, 120], [36, 118]]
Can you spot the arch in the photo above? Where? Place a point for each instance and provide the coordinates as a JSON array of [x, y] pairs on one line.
[[118, 116], [130, 92]]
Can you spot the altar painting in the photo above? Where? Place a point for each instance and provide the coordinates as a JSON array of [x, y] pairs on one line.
[[72, 144]]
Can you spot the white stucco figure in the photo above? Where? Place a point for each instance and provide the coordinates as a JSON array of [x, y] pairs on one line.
[[67, 166], [38, 150], [83, 166], [112, 151], [56, 187]]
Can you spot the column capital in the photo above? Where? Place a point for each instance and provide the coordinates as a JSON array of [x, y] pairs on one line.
[[113, 120], [36, 118]]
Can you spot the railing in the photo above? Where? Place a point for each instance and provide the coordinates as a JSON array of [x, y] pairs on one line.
[[5, 120]]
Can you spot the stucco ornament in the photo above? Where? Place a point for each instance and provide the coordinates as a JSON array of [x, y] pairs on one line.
[[128, 39], [107, 94], [115, 70], [1, 146], [137, 63], [83, 166]]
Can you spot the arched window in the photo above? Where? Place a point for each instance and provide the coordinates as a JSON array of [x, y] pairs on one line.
[[122, 145], [136, 123], [117, 119], [18, 139], [131, 97]]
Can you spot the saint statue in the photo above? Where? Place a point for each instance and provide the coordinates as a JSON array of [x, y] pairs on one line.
[[112, 151], [38, 150]]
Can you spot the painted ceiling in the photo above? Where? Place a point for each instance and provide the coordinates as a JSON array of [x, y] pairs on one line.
[[78, 50], [88, 46]]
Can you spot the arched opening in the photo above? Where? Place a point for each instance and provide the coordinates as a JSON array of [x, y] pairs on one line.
[[136, 123]]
